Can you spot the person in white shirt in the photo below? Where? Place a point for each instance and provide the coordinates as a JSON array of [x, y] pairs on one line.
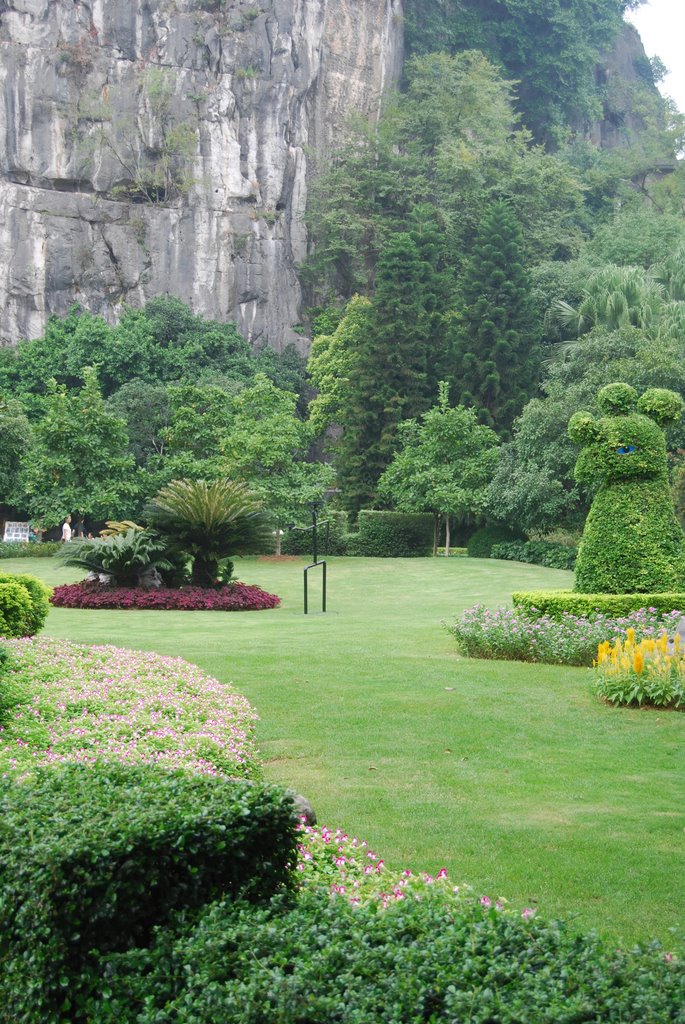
[[66, 530]]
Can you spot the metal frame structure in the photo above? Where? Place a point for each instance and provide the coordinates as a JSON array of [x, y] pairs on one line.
[[316, 561]]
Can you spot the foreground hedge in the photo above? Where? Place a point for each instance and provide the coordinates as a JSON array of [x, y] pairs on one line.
[[556, 602], [24, 605], [236, 597], [322, 961], [95, 858]]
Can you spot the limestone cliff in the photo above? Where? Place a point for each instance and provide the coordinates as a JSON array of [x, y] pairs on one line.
[[165, 146]]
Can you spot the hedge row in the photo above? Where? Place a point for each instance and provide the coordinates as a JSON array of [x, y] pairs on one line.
[[481, 543], [29, 549], [555, 602], [392, 535], [24, 605], [299, 542], [322, 961], [537, 552], [114, 852]]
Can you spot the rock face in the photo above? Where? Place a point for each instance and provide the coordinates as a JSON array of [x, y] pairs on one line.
[[167, 146]]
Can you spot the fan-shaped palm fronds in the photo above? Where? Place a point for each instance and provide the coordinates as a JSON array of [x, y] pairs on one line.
[[130, 559], [209, 521], [615, 297]]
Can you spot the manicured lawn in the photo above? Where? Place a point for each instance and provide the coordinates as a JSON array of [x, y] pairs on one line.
[[511, 776]]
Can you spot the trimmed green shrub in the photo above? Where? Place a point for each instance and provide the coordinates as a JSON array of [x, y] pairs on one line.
[[20, 617], [322, 961], [16, 608], [481, 543], [29, 549], [537, 552], [632, 540], [95, 858], [297, 542], [392, 535], [456, 552], [556, 602]]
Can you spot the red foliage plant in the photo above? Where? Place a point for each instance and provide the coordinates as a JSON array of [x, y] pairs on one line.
[[235, 597]]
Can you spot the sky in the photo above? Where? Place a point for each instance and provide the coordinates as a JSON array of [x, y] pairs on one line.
[[661, 24]]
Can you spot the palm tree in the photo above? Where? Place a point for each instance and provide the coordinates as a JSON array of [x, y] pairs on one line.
[[209, 521], [614, 297]]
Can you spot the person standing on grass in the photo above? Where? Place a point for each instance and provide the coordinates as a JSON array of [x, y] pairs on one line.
[[66, 530]]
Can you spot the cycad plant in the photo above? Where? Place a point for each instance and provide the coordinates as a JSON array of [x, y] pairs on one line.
[[210, 521], [133, 558]]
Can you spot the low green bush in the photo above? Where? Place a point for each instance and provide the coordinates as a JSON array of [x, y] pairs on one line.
[[457, 552], [299, 542], [15, 608], [29, 549], [95, 858], [392, 535], [23, 611], [480, 543], [322, 961], [537, 552], [556, 602]]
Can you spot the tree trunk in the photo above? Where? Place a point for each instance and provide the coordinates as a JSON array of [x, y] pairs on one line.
[[279, 535], [205, 572], [447, 536], [436, 532]]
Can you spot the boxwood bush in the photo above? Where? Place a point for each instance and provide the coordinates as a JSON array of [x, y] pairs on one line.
[[392, 535], [556, 602], [322, 961], [537, 552], [95, 858], [20, 619]]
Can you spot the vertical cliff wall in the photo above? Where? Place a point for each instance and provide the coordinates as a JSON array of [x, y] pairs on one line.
[[166, 147]]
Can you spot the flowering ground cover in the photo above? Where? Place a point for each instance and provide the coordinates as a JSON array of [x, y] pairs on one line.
[[511, 634], [70, 703], [236, 597]]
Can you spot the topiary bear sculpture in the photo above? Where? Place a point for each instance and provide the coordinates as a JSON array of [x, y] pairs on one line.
[[632, 541]]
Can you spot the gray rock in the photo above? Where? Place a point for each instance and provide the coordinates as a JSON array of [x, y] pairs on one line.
[[93, 94]]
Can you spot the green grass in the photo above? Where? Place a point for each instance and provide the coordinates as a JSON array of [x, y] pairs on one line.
[[512, 776]]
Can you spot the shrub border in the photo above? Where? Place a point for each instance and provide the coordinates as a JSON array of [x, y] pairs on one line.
[[555, 602]]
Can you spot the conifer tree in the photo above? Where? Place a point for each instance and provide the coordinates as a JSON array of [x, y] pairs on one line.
[[497, 355]]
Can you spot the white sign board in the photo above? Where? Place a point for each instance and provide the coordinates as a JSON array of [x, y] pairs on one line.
[[16, 532]]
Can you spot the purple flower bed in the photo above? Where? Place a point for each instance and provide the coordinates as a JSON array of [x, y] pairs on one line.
[[236, 597], [510, 634]]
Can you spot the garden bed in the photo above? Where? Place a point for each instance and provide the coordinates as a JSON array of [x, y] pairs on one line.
[[236, 597]]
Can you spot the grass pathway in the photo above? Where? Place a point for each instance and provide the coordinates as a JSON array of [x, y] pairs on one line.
[[512, 776]]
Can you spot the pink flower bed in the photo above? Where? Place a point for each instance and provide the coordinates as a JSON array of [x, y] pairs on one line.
[[236, 597], [103, 704]]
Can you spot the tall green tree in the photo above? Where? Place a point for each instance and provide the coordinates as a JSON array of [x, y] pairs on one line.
[[266, 448], [443, 465], [79, 464], [17, 441], [497, 352]]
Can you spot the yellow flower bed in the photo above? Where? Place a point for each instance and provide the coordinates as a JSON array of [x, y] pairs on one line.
[[649, 672]]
